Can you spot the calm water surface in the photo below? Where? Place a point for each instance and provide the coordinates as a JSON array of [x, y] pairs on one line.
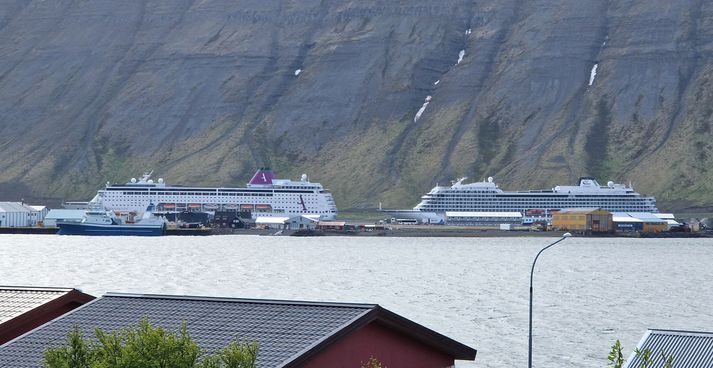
[[588, 292]]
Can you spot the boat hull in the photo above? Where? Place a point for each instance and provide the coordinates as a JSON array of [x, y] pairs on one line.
[[110, 230], [420, 216]]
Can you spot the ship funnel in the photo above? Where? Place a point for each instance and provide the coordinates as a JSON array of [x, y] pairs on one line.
[[263, 176]]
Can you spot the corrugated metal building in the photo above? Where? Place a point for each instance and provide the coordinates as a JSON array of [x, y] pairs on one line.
[[271, 222], [595, 220], [625, 223], [17, 214], [63, 215], [689, 349], [304, 222], [42, 211], [640, 221], [483, 218]]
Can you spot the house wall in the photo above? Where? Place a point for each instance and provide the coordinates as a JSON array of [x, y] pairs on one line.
[[600, 222], [654, 227], [392, 349], [569, 221], [629, 226], [583, 222]]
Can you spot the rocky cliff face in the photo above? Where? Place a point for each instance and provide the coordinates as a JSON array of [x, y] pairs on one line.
[[376, 100]]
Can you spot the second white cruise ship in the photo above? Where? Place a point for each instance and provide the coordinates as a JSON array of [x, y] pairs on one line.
[[263, 196], [534, 205]]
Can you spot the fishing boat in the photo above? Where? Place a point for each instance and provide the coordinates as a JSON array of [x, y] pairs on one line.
[[99, 221]]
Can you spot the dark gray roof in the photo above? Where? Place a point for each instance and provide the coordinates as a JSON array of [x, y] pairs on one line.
[[688, 348], [287, 332]]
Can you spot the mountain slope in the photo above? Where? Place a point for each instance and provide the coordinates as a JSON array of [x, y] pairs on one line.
[[203, 92]]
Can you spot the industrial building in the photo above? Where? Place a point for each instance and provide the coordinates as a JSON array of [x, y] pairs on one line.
[[303, 222], [41, 211], [55, 215], [483, 218], [641, 222], [595, 220], [18, 214], [332, 225], [269, 222]]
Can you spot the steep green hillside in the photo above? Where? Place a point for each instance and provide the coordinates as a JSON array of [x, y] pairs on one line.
[[203, 92]]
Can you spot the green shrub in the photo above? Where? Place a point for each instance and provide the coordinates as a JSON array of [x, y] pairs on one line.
[[616, 358], [146, 346]]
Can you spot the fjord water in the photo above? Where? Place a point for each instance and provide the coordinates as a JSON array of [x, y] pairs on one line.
[[588, 291]]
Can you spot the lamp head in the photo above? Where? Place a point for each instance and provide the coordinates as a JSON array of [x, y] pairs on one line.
[[566, 235]]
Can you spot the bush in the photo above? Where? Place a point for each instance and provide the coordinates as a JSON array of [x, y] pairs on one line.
[[616, 358], [146, 346]]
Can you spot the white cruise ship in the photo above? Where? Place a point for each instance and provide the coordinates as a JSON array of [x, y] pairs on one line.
[[263, 196], [534, 205]]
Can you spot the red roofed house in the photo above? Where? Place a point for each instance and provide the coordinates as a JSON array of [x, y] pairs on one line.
[[25, 308]]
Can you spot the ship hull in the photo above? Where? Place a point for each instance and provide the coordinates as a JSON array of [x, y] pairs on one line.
[[110, 230], [420, 216]]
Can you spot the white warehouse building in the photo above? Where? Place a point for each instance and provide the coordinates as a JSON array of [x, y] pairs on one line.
[[18, 214]]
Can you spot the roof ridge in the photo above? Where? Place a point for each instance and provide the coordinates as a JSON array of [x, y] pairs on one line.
[[37, 288], [657, 330], [239, 300]]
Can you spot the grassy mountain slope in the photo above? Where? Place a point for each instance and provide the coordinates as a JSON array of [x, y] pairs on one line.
[[203, 92]]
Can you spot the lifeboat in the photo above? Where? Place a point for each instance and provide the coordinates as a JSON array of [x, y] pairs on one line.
[[263, 207]]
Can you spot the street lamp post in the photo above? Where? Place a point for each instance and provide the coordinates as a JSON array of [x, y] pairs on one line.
[[532, 270]]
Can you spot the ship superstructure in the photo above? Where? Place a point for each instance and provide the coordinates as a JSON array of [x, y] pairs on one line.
[[264, 195], [535, 205]]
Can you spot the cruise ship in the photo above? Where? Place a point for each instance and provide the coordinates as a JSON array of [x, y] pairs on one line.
[[534, 205], [264, 195]]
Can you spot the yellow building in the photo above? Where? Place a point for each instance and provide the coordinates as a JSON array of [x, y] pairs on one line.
[[594, 220], [653, 226]]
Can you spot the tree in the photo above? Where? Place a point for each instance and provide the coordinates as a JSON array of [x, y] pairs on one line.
[[235, 355], [146, 346], [616, 358], [77, 353]]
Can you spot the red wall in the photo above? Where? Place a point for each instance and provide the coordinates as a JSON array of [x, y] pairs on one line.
[[37, 317], [393, 350]]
